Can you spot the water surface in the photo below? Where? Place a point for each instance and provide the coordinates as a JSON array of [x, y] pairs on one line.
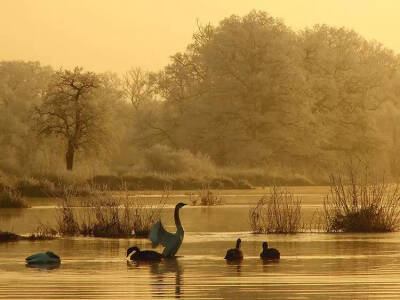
[[312, 266]]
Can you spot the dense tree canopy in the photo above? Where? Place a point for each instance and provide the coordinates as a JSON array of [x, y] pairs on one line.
[[247, 93], [74, 111], [251, 91]]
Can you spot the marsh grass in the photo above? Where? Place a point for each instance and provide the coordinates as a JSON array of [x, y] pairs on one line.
[[277, 212], [43, 232], [206, 197], [103, 214], [11, 198], [357, 203]]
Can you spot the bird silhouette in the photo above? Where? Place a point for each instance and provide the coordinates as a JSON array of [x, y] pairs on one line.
[[269, 253], [134, 253], [235, 253], [171, 241], [43, 258]]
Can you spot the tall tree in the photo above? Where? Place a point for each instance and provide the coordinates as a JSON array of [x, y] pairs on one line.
[[73, 112], [238, 93], [137, 87], [22, 85], [350, 79]]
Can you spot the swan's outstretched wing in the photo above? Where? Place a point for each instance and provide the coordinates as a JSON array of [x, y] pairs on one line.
[[158, 235]]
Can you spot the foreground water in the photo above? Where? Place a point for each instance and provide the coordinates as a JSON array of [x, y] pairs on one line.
[[312, 266]]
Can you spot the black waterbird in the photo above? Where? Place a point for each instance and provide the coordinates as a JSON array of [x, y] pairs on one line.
[[235, 253]]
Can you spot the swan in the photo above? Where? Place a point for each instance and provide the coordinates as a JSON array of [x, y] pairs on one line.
[[171, 241], [146, 255], [269, 253], [43, 258], [235, 253]]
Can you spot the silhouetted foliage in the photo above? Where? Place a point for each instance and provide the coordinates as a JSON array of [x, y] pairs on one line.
[[72, 112], [248, 99], [277, 212], [359, 203]]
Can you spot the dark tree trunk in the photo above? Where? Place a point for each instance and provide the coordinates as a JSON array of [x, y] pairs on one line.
[[69, 157]]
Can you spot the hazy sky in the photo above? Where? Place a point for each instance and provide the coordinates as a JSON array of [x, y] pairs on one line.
[[115, 35]]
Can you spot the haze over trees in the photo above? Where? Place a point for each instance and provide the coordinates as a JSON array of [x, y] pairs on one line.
[[249, 95], [74, 112]]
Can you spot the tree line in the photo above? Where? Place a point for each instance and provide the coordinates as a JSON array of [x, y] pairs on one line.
[[247, 93]]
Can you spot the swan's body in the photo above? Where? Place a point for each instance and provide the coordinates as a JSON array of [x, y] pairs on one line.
[[171, 241], [146, 255], [235, 253], [269, 253], [43, 258]]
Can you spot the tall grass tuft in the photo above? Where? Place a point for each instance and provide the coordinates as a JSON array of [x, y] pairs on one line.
[[103, 214], [43, 232], [206, 197], [358, 204], [277, 212], [67, 223], [11, 198]]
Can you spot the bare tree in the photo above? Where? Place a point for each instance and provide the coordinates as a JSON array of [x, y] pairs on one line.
[[137, 87], [72, 111]]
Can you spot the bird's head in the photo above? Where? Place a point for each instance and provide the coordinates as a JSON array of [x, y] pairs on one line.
[[238, 241], [131, 249], [179, 205], [51, 254], [265, 245]]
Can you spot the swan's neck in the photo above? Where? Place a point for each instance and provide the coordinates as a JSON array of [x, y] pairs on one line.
[[237, 244], [178, 220]]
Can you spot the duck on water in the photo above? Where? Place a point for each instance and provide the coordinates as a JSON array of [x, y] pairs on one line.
[[235, 253], [269, 253]]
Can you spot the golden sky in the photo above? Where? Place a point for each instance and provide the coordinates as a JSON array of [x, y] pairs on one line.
[[114, 35]]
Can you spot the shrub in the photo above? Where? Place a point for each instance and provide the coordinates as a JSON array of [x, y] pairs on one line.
[[161, 158], [187, 183], [264, 177], [112, 182], [67, 223], [32, 187], [105, 215], [162, 181], [207, 198], [243, 184], [11, 198], [278, 212], [147, 213], [43, 232], [355, 204]]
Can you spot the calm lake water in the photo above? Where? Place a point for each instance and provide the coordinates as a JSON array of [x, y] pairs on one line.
[[312, 266]]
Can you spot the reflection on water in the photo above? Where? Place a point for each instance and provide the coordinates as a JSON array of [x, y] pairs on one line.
[[312, 266], [235, 266], [47, 266], [161, 273]]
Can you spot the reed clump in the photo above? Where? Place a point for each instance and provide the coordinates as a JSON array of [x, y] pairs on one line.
[[43, 232], [103, 214], [206, 197], [357, 203], [277, 212], [11, 198]]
